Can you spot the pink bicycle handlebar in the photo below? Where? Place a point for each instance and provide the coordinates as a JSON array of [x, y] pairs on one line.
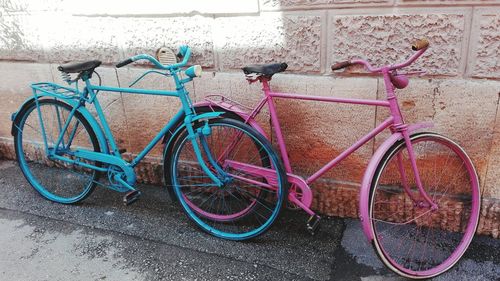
[[420, 46]]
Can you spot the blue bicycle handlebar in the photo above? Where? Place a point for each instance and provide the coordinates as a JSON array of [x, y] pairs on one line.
[[184, 51]]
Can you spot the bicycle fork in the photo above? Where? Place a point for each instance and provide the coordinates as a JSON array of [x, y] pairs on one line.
[[197, 151], [401, 127], [413, 162]]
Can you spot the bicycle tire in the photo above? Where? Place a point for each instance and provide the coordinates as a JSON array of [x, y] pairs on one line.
[[231, 214], [410, 240], [173, 136], [55, 180]]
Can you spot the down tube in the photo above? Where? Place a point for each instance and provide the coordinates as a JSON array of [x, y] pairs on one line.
[[157, 138], [351, 149]]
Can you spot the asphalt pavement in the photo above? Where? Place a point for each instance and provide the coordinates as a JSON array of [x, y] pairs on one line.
[[101, 239]]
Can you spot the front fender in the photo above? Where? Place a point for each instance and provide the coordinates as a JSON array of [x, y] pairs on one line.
[[169, 141], [16, 118], [208, 115], [206, 110], [181, 126], [364, 196]]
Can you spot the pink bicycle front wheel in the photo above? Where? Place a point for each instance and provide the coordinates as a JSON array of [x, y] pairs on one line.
[[412, 238]]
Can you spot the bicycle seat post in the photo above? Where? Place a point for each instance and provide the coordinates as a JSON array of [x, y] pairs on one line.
[[265, 85]]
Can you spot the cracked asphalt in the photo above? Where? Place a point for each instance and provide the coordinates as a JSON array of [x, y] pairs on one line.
[[101, 239]]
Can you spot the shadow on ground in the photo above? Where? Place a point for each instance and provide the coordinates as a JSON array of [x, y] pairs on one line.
[[153, 240]]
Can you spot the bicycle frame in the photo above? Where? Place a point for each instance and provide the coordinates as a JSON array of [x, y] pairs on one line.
[[399, 129], [111, 155]]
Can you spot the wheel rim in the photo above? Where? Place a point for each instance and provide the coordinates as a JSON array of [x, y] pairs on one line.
[[235, 205], [53, 179], [219, 217], [430, 242]]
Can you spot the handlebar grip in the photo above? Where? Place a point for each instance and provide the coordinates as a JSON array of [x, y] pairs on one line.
[[341, 65], [123, 63], [420, 44]]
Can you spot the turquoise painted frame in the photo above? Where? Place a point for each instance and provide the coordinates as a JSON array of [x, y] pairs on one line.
[[110, 153]]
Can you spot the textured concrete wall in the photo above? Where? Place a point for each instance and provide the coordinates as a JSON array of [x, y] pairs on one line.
[[460, 92]]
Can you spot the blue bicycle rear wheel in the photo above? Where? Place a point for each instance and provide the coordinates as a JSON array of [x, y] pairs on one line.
[[248, 203], [55, 180]]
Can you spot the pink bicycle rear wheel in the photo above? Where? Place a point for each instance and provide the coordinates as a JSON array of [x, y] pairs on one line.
[[410, 237]]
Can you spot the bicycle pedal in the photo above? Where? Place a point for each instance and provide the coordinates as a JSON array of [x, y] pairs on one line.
[[131, 197], [313, 224]]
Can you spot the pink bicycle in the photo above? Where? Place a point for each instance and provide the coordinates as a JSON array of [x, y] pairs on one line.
[[419, 198]]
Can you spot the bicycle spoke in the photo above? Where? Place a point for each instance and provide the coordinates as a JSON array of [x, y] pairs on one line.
[[241, 206], [56, 180], [411, 235]]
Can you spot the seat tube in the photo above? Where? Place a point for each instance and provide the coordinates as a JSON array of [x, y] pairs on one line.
[[107, 129], [276, 124]]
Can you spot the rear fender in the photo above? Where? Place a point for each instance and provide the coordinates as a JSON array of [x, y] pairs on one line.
[[211, 106], [16, 119], [226, 107], [205, 106]]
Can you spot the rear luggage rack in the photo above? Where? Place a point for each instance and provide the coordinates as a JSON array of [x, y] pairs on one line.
[[54, 90], [222, 100]]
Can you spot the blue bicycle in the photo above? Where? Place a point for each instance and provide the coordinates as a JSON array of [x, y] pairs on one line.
[[64, 152]]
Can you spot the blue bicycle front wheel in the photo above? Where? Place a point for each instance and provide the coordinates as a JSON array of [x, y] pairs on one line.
[[254, 182], [36, 131]]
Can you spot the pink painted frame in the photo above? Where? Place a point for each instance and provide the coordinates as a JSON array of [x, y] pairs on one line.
[[395, 122], [400, 132]]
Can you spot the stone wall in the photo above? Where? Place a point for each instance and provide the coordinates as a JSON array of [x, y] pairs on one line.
[[460, 92]]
